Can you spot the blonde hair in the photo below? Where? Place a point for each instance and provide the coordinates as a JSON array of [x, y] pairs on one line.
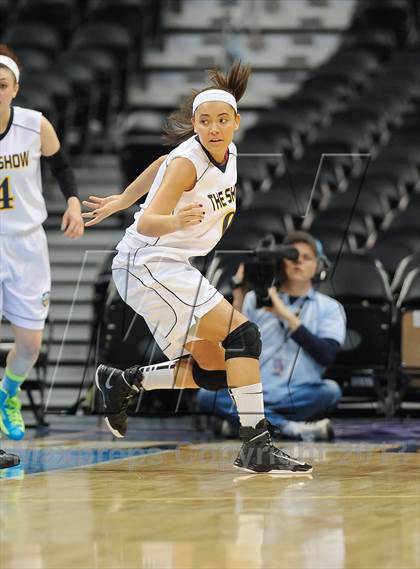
[[178, 126]]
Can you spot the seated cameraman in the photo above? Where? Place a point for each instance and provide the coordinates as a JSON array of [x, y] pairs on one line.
[[301, 334]]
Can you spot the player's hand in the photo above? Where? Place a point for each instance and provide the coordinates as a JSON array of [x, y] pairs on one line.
[[102, 208], [189, 215], [72, 221]]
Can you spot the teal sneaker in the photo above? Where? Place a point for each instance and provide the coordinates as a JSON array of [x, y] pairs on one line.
[[11, 420]]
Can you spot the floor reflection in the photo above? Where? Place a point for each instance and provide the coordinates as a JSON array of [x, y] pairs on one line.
[[190, 509]]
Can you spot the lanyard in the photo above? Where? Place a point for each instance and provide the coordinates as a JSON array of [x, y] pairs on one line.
[[287, 333]]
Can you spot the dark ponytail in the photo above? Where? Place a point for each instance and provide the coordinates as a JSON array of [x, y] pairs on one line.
[[178, 126]]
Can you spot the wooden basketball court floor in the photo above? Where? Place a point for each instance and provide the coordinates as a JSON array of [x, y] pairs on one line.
[[91, 502]]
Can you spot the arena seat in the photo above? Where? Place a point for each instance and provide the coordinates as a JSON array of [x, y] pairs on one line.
[[62, 15], [255, 164], [397, 172], [125, 338], [393, 15], [392, 85], [241, 237], [137, 152], [330, 92], [33, 59], [364, 121], [390, 106], [116, 40], [356, 223], [264, 218], [222, 261], [337, 161], [374, 205], [335, 241], [408, 236], [392, 246], [109, 36], [361, 285], [310, 108], [391, 190], [131, 14], [351, 140], [379, 41], [221, 278], [38, 99], [355, 60], [353, 77], [59, 90], [405, 266], [402, 150], [407, 219], [284, 138], [403, 72], [285, 198], [404, 144], [290, 120], [311, 172], [34, 35], [82, 81], [5, 11], [409, 296], [105, 69]]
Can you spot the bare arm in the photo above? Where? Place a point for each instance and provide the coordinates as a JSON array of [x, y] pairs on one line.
[[141, 184], [158, 218], [72, 222], [104, 207]]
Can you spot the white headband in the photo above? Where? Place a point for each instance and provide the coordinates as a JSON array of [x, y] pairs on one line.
[[8, 62], [214, 95]]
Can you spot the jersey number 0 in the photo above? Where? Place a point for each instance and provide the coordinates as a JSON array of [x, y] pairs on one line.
[[6, 197]]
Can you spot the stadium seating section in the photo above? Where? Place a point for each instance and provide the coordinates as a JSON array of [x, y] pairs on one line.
[[346, 164]]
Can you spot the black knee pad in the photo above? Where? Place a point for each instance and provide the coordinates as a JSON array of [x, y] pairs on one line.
[[212, 380], [243, 342]]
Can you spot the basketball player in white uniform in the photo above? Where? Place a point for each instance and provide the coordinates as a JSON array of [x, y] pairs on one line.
[[25, 136], [190, 204]]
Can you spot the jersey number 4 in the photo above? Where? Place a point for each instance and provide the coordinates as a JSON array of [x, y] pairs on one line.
[[6, 197]]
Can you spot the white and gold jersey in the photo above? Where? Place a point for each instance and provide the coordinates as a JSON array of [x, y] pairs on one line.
[[22, 205], [214, 189]]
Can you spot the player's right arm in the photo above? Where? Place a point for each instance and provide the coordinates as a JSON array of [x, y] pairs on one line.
[[158, 218], [104, 207]]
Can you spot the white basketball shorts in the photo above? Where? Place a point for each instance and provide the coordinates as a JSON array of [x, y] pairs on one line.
[[170, 295], [25, 278]]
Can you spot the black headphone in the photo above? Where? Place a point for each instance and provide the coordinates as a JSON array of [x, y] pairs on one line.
[[323, 263]]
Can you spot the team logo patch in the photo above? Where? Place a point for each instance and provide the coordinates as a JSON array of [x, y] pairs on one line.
[[45, 298]]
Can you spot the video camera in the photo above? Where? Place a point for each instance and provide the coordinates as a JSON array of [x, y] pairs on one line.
[[264, 269]]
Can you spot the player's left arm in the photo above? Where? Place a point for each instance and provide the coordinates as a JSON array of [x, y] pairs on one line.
[[72, 221]]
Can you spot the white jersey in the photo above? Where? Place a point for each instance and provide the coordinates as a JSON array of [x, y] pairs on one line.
[[22, 206], [214, 189]]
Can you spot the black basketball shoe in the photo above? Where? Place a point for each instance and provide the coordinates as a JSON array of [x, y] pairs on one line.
[[7, 459], [117, 388], [258, 454]]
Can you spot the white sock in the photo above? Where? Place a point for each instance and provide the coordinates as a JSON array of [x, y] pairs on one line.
[[249, 403], [159, 376]]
